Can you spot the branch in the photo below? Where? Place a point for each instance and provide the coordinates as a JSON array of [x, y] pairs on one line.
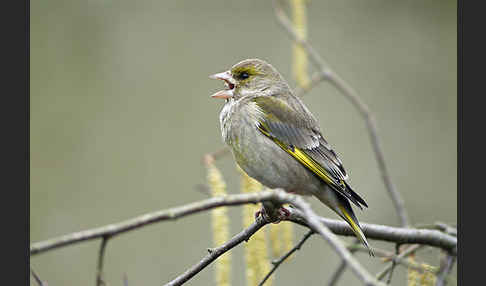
[[214, 156], [440, 226], [372, 231], [276, 263], [101, 254], [337, 274], [398, 235], [389, 255], [445, 270], [402, 255], [37, 279], [147, 219], [326, 73], [394, 264], [339, 271], [217, 252]]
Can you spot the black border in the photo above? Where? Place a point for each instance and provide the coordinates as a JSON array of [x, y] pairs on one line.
[[14, 118], [27, 139], [460, 271], [471, 142]]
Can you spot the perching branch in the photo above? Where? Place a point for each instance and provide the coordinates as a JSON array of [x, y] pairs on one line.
[[372, 231], [326, 73], [312, 220], [302, 214], [308, 217], [276, 263], [147, 219]]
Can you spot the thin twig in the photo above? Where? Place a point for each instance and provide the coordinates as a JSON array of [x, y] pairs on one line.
[[101, 255], [326, 73], [125, 279], [389, 255], [276, 263], [440, 226], [445, 269], [402, 255], [342, 266], [372, 231], [447, 228], [218, 154], [394, 264], [37, 278], [218, 251], [316, 78], [337, 274]]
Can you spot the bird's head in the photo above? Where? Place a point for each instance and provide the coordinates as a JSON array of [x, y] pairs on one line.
[[250, 77]]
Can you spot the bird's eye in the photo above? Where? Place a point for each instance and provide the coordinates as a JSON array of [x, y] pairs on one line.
[[244, 75]]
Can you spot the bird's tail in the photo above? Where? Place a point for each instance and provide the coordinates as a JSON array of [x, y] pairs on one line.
[[343, 208], [348, 215]]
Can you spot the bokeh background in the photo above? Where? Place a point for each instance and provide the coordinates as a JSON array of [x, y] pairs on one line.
[[121, 117]]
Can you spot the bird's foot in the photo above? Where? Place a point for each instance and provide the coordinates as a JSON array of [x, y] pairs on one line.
[[282, 214], [261, 212]]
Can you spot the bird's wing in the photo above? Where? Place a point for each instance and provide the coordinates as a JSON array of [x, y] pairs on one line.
[[298, 134]]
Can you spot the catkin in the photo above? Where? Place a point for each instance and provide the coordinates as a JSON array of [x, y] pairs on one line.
[[256, 257], [413, 275], [426, 277], [220, 226], [300, 61], [275, 241], [287, 236], [281, 238]]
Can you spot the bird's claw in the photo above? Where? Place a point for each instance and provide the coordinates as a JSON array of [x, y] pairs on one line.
[[283, 214]]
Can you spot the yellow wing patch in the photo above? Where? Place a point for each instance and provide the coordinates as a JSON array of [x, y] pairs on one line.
[[304, 159]]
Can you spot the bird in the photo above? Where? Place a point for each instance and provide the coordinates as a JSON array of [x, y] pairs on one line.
[[277, 141]]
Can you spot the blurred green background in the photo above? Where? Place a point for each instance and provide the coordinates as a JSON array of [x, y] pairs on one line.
[[121, 116]]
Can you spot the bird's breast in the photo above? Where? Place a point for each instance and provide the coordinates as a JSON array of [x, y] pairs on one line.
[[258, 155]]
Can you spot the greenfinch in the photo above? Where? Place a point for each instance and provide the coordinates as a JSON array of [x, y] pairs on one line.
[[276, 140]]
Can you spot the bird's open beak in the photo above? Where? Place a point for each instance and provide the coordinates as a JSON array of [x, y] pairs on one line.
[[229, 83]]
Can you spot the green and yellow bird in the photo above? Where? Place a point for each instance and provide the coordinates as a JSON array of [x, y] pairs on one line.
[[277, 141]]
